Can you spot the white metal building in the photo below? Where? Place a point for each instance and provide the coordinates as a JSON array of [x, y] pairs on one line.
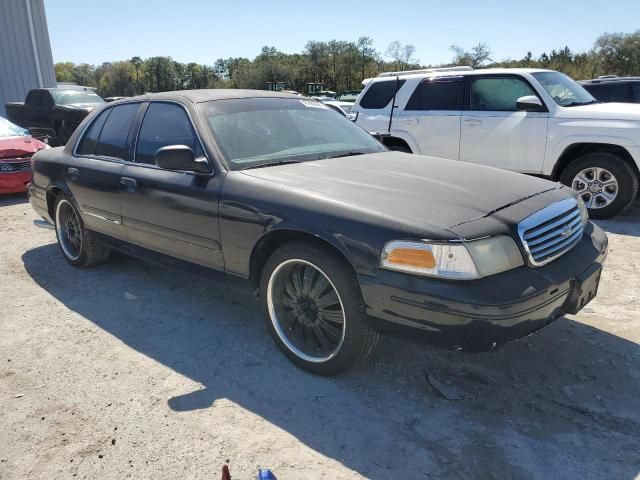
[[25, 52]]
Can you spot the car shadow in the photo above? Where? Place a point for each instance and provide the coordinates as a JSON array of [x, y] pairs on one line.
[[627, 223], [13, 199], [537, 408]]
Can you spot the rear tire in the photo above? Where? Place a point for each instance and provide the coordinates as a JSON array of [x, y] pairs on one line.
[[79, 246], [314, 309], [605, 181]]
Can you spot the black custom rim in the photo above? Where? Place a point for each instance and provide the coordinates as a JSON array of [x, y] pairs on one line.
[[69, 230]]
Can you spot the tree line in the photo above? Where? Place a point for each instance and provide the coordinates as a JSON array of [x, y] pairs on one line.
[[339, 65]]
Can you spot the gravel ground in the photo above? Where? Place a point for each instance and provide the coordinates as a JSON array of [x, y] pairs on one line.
[[130, 370]]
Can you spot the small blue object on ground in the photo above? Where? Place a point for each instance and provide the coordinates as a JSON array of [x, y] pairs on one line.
[[265, 474]]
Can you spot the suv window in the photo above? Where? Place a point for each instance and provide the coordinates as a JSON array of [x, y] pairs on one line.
[[611, 92], [498, 93], [380, 94], [165, 124], [113, 138], [636, 91], [439, 94], [89, 141]]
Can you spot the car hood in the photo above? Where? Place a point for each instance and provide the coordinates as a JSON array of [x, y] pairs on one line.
[[413, 188], [15, 147], [609, 111]]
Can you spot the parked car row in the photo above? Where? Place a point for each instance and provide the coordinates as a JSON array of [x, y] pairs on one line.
[[531, 121], [341, 238]]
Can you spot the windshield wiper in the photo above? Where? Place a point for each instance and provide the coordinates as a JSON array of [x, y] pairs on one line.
[[347, 154], [271, 164], [579, 104]]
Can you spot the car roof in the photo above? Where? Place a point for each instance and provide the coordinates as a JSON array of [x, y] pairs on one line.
[[206, 95]]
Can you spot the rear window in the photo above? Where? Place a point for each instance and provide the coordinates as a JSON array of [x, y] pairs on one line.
[[380, 94], [89, 141], [113, 138], [437, 95]]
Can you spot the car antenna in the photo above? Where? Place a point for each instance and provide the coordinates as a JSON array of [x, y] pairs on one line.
[[393, 103]]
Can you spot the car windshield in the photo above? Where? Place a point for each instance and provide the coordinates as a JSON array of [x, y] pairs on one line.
[[565, 91], [256, 132], [8, 129], [75, 97]]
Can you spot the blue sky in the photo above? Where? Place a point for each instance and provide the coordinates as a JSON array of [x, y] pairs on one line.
[[204, 30]]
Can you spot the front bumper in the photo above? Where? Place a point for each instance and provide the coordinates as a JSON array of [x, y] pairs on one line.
[[15, 182], [481, 314]]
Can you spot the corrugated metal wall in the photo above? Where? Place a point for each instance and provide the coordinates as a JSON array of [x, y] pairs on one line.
[[25, 52]]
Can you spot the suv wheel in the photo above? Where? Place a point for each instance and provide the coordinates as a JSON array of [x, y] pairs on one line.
[[314, 309], [605, 181], [78, 245]]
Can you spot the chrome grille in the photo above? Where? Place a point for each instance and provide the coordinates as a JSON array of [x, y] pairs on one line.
[[552, 231], [17, 165]]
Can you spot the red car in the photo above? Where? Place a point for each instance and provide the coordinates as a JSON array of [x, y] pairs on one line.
[[16, 149]]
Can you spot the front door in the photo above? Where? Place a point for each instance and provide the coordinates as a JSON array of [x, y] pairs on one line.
[[495, 133], [171, 212]]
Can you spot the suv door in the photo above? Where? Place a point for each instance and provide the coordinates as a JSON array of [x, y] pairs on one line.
[[93, 172], [495, 133], [432, 116], [171, 212]]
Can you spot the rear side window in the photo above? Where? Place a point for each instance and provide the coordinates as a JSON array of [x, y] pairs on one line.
[[380, 94], [34, 98], [90, 140], [636, 92], [165, 124], [612, 92], [498, 93], [437, 95], [113, 138]]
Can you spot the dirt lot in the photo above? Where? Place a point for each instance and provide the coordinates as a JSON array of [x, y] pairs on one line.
[[129, 370]]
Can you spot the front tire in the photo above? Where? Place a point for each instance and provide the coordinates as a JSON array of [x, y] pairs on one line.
[[605, 181], [78, 245], [314, 309]]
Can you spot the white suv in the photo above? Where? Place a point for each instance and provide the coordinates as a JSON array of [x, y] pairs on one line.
[[526, 120]]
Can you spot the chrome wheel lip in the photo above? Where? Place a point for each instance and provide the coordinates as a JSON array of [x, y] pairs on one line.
[[594, 187], [273, 316], [63, 237]]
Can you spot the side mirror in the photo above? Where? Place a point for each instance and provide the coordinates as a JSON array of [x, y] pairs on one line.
[[180, 157], [380, 136], [529, 103]]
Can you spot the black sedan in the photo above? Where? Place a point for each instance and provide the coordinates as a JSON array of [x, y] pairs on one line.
[[341, 238]]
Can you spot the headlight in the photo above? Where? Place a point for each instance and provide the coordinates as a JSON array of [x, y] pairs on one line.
[[456, 261]]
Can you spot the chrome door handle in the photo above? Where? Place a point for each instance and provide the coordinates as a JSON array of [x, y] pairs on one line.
[[130, 183], [73, 171]]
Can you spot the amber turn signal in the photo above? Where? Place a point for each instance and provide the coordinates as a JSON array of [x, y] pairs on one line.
[[413, 257]]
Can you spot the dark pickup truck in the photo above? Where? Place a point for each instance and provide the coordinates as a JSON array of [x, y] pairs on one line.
[[52, 114]]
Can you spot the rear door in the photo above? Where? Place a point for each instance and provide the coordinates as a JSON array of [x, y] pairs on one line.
[[432, 116], [171, 212], [495, 133], [93, 173]]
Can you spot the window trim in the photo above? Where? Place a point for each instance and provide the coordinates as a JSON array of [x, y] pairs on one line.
[[137, 136], [470, 78], [135, 130]]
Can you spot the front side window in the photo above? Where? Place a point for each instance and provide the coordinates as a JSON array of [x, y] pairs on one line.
[[565, 91], [497, 93], [380, 94], [115, 132], [437, 95], [164, 124], [90, 140], [255, 132]]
